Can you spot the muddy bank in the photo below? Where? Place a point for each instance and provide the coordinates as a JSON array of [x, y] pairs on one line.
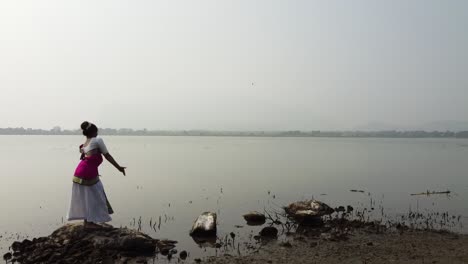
[[365, 244]]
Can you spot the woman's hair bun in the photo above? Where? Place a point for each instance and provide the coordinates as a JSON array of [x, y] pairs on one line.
[[89, 129], [84, 125]]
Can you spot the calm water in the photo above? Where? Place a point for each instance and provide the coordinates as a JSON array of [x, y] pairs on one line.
[[177, 178]]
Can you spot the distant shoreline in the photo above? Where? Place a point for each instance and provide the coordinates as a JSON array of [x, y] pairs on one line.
[[207, 133]]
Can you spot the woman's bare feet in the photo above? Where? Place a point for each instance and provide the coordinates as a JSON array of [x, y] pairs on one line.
[[91, 225]]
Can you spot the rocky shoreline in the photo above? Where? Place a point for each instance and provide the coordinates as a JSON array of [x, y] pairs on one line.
[[336, 241], [307, 232], [74, 244]]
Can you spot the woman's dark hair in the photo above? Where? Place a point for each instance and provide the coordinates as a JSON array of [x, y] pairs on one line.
[[89, 129]]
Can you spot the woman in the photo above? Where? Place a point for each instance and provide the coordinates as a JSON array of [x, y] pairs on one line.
[[88, 200]]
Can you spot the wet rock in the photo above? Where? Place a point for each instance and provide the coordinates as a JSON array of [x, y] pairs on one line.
[[16, 246], [137, 243], [254, 218], [183, 255], [269, 232], [73, 243], [205, 241], [205, 225], [165, 246], [164, 251], [26, 242], [7, 256], [308, 211]]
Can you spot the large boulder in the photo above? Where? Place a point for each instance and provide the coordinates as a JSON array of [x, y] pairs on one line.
[[72, 243]]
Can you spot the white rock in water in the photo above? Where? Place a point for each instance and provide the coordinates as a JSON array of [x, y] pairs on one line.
[[205, 225]]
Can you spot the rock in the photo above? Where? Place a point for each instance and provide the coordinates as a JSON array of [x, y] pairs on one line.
[[165, 246], [7, 256], [205, 241], [183, 255], [205, 225], [16, 246], [269, 232], [137, 243], [73, 244], [164, 251], [26, 242], [308, 211], [255, 218]]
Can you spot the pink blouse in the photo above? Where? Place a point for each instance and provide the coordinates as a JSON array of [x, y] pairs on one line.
[[88, 167]]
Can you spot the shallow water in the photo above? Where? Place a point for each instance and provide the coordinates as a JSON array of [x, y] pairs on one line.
[[177, 178]]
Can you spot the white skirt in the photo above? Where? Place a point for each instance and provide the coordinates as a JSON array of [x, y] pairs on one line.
[[89, 203]]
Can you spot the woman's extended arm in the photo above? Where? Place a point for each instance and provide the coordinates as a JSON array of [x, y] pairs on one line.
[[113, 162]]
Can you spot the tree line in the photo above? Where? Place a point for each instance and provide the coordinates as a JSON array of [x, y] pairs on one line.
[[293, 133]]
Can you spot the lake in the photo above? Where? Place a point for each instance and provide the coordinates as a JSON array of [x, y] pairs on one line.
[[177, 178]]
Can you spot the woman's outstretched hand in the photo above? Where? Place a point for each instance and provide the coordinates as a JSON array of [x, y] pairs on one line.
[[109, 157], [122, 169]]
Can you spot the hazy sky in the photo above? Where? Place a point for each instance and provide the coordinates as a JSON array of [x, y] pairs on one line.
[[233, 65]]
